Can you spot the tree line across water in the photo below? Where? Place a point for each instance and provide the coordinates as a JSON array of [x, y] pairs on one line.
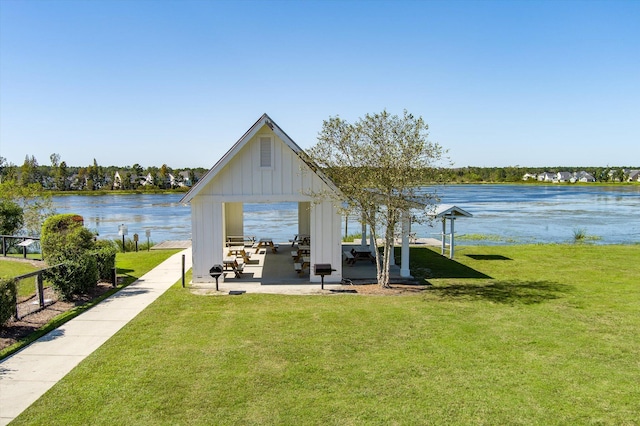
[[58, 176]]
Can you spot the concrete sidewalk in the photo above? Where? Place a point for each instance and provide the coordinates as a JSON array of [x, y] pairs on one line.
[[28, 374]]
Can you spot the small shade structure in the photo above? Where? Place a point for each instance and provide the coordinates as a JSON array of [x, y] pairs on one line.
[[451, 212], [264, 166]]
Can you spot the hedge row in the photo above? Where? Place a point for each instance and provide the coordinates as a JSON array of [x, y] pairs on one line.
[[8, 292]]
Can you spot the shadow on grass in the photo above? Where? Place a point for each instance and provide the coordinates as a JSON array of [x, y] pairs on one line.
[[487, 257], [506, 292], [440, 266]]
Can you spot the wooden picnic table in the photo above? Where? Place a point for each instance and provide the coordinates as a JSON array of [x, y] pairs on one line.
[[239, 251], [300, 266], [300, 239], [302, 251], [232, 263], [362, 254], [266, 242], [246, 240]]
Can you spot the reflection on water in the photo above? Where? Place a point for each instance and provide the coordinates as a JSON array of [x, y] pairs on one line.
[[514, 213]]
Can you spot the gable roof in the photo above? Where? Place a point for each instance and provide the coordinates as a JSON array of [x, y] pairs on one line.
[[235, 149], [450, 210]]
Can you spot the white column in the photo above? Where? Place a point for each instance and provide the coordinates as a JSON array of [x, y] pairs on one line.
[[451, 242], [207, 227], [326, 241], [373, 247], [404, 262], [444, 234], [363, 237]]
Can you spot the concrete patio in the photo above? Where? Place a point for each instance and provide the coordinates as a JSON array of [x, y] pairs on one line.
[[274, 273]]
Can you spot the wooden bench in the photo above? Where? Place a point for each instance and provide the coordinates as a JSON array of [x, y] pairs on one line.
[[237, 270], [236, 267], [236, 240]]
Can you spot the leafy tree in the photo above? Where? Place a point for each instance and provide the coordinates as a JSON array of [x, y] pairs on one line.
[[137, 173], [61, 177], [55, 160], [11, 217], [95, 176], [127, 181], [8, 171], [619, 175], [36, 204], [29, 172], [163, 177], [377, 163]]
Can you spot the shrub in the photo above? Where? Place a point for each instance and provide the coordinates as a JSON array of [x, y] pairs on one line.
[[105, 258], [74, 276], [65, 237], [8, 291], [67, 242]]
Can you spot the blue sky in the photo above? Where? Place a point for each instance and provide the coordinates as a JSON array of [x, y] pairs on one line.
[[501, 83]]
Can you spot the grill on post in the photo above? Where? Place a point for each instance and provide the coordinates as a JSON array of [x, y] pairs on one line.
[[322, 269], [215, 272]]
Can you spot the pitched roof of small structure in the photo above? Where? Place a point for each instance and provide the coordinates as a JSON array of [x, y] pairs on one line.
[[450, 210], [226, 158]]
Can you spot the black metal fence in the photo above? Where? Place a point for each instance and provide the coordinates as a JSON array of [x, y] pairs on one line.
[[41, 298], [20, 244]]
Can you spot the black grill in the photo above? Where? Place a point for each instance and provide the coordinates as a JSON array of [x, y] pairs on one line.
[[323, 269], [215, 272]]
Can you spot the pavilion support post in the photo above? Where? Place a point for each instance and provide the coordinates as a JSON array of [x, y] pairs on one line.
[[373, 247], [451, 242], [363, 237], [404, 262], [444, 235]]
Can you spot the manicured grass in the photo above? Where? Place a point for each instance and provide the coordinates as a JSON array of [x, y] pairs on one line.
[[9, 269], [133, 265], [546, 334], [129, 265]]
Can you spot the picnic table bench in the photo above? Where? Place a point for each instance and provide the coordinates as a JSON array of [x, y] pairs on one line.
[[231, 263]]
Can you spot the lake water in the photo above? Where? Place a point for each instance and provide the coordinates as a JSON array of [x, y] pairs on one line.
[[504, 214]]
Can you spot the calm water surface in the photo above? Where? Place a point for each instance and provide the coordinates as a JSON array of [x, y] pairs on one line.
[[505, 213]]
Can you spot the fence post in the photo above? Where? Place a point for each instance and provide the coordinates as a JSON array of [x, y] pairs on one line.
[[183, 271], [114, 276], [39, 283], [15, 305]]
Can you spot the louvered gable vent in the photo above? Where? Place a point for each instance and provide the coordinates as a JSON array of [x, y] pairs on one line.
[[265, 152]]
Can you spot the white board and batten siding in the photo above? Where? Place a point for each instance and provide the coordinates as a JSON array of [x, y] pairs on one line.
[[262, 167], [243, 179]]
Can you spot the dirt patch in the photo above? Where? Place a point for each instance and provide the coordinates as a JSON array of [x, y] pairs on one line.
[[393, 290], [32, 317]]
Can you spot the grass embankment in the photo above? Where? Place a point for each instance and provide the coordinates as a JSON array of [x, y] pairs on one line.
[[130, 266], [546, 334], [10, 268]]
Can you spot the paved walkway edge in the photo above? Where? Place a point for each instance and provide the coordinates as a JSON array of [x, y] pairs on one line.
[[29, 373]]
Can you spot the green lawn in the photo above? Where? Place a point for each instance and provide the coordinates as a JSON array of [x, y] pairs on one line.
[[9, 269], [541, 334], [130, 266]]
